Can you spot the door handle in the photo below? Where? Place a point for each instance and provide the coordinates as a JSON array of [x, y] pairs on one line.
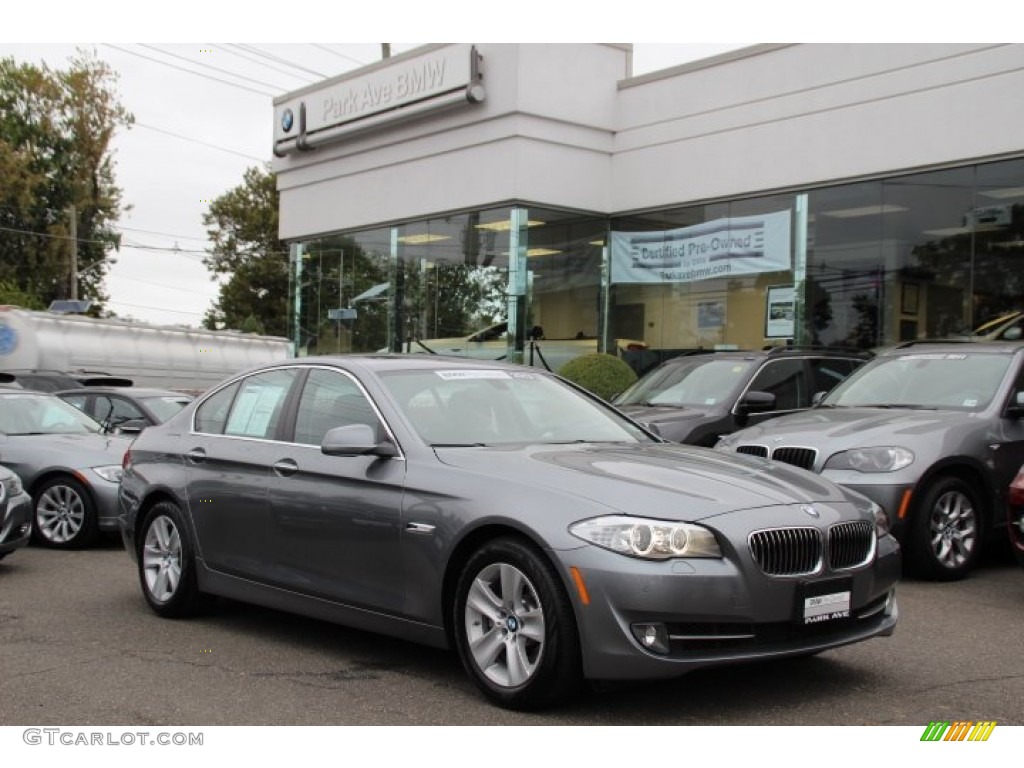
[[286, 467], [196, 455]]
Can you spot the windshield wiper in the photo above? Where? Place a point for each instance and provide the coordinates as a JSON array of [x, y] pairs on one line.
[[908, 406]]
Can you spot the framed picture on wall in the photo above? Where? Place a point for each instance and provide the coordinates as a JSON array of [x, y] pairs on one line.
[[710, 314], [908, 299], [780, 312]]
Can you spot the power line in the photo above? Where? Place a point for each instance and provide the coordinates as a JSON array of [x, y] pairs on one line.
[[262, 63], [157, 309], [198, 141], [339, 53], [271, 57], [210, 66], [190, 71]]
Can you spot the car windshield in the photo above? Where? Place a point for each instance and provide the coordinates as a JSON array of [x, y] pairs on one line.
[[462, 407], [32, 413], [956, 380], [696, 382], [166, 406]]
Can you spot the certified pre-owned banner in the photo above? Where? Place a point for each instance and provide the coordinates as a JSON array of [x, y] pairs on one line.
[[723, 248]]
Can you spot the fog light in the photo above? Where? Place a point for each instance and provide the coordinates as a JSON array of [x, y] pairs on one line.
[[890, 603], [653, 637]]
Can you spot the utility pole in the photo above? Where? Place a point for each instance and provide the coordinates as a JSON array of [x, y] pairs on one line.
[[73, 229]]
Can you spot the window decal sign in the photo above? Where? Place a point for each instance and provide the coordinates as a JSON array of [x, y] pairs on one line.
[[745, 245]]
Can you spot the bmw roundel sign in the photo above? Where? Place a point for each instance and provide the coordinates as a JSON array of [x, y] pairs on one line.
[[287, 120]]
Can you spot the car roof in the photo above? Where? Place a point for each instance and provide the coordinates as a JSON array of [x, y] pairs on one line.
[[773, 352], [954, 346], [131, 392]]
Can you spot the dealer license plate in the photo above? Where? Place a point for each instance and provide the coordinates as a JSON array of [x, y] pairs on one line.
[[823, 601]]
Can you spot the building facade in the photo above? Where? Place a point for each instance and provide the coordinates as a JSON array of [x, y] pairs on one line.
[[833, 194]]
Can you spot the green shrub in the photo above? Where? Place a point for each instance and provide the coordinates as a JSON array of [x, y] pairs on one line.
[[604, 375]]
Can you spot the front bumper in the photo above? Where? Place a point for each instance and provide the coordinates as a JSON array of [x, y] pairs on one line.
[[104, 493], [15, 523], [888, 497], [714, 612]]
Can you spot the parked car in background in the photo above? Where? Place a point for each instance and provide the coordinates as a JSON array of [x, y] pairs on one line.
[[52, 381], [697, 398], [491, 343], [1015, 521], [500, 510], [69, 465], [117, 406], [933, 432], [15, 513], [1006, 327]]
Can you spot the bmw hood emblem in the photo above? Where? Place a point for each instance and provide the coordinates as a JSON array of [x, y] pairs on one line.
[[287, 120], [807, 509]]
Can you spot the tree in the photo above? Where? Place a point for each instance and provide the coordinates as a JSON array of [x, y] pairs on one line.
[[242, 225], [56, 130]]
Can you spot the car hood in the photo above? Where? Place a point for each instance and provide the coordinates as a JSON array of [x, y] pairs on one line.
[[73, 451], [842, 428], [665, 480]]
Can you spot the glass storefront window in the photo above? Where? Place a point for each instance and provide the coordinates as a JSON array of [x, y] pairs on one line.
[[928, 255]]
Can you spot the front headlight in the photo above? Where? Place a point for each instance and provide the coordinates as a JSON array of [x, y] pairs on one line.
[[648, 539], [881, 459], [111, 474], [11, 486], [881, 520]]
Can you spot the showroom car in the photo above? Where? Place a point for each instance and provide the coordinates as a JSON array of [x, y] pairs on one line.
[[137, 407], [696, 398], [15, 513], [932, 432], [68, 464], [495, 509]]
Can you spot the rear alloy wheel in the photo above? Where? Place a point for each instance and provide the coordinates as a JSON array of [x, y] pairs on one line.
[[167, 569], [65, 515], [947, 530], [514, 627]]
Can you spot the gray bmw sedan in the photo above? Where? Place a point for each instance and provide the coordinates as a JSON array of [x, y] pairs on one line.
[[498, 510]]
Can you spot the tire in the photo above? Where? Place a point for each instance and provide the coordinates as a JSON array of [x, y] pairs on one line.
[[524, 658], [166, 563], [64, 514], [946, 534]]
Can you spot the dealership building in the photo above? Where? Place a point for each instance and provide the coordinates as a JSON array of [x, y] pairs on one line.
[[833, 194]]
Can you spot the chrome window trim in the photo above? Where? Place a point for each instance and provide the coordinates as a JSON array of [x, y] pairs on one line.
[[299, 367]]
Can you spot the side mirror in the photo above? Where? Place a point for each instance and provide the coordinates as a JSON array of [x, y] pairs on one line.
[[356, 440], [818, 397], [130, 426], [1015, 409], [756, 402]]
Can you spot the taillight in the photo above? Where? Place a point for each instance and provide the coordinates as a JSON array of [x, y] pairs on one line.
[[126, 462]]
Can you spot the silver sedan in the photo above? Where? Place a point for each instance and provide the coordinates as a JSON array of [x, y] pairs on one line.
[[497, 510]]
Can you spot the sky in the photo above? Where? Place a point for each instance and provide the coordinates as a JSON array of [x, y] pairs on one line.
[[203, 110]]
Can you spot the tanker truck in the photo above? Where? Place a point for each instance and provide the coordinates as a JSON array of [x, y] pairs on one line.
[[166, 357]]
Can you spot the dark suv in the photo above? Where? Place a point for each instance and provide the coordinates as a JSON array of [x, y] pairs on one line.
[[700, 396]]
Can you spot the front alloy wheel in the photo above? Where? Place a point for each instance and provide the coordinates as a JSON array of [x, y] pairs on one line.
[[505, 625], [514, 626], [65, 516], [947, 538]]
